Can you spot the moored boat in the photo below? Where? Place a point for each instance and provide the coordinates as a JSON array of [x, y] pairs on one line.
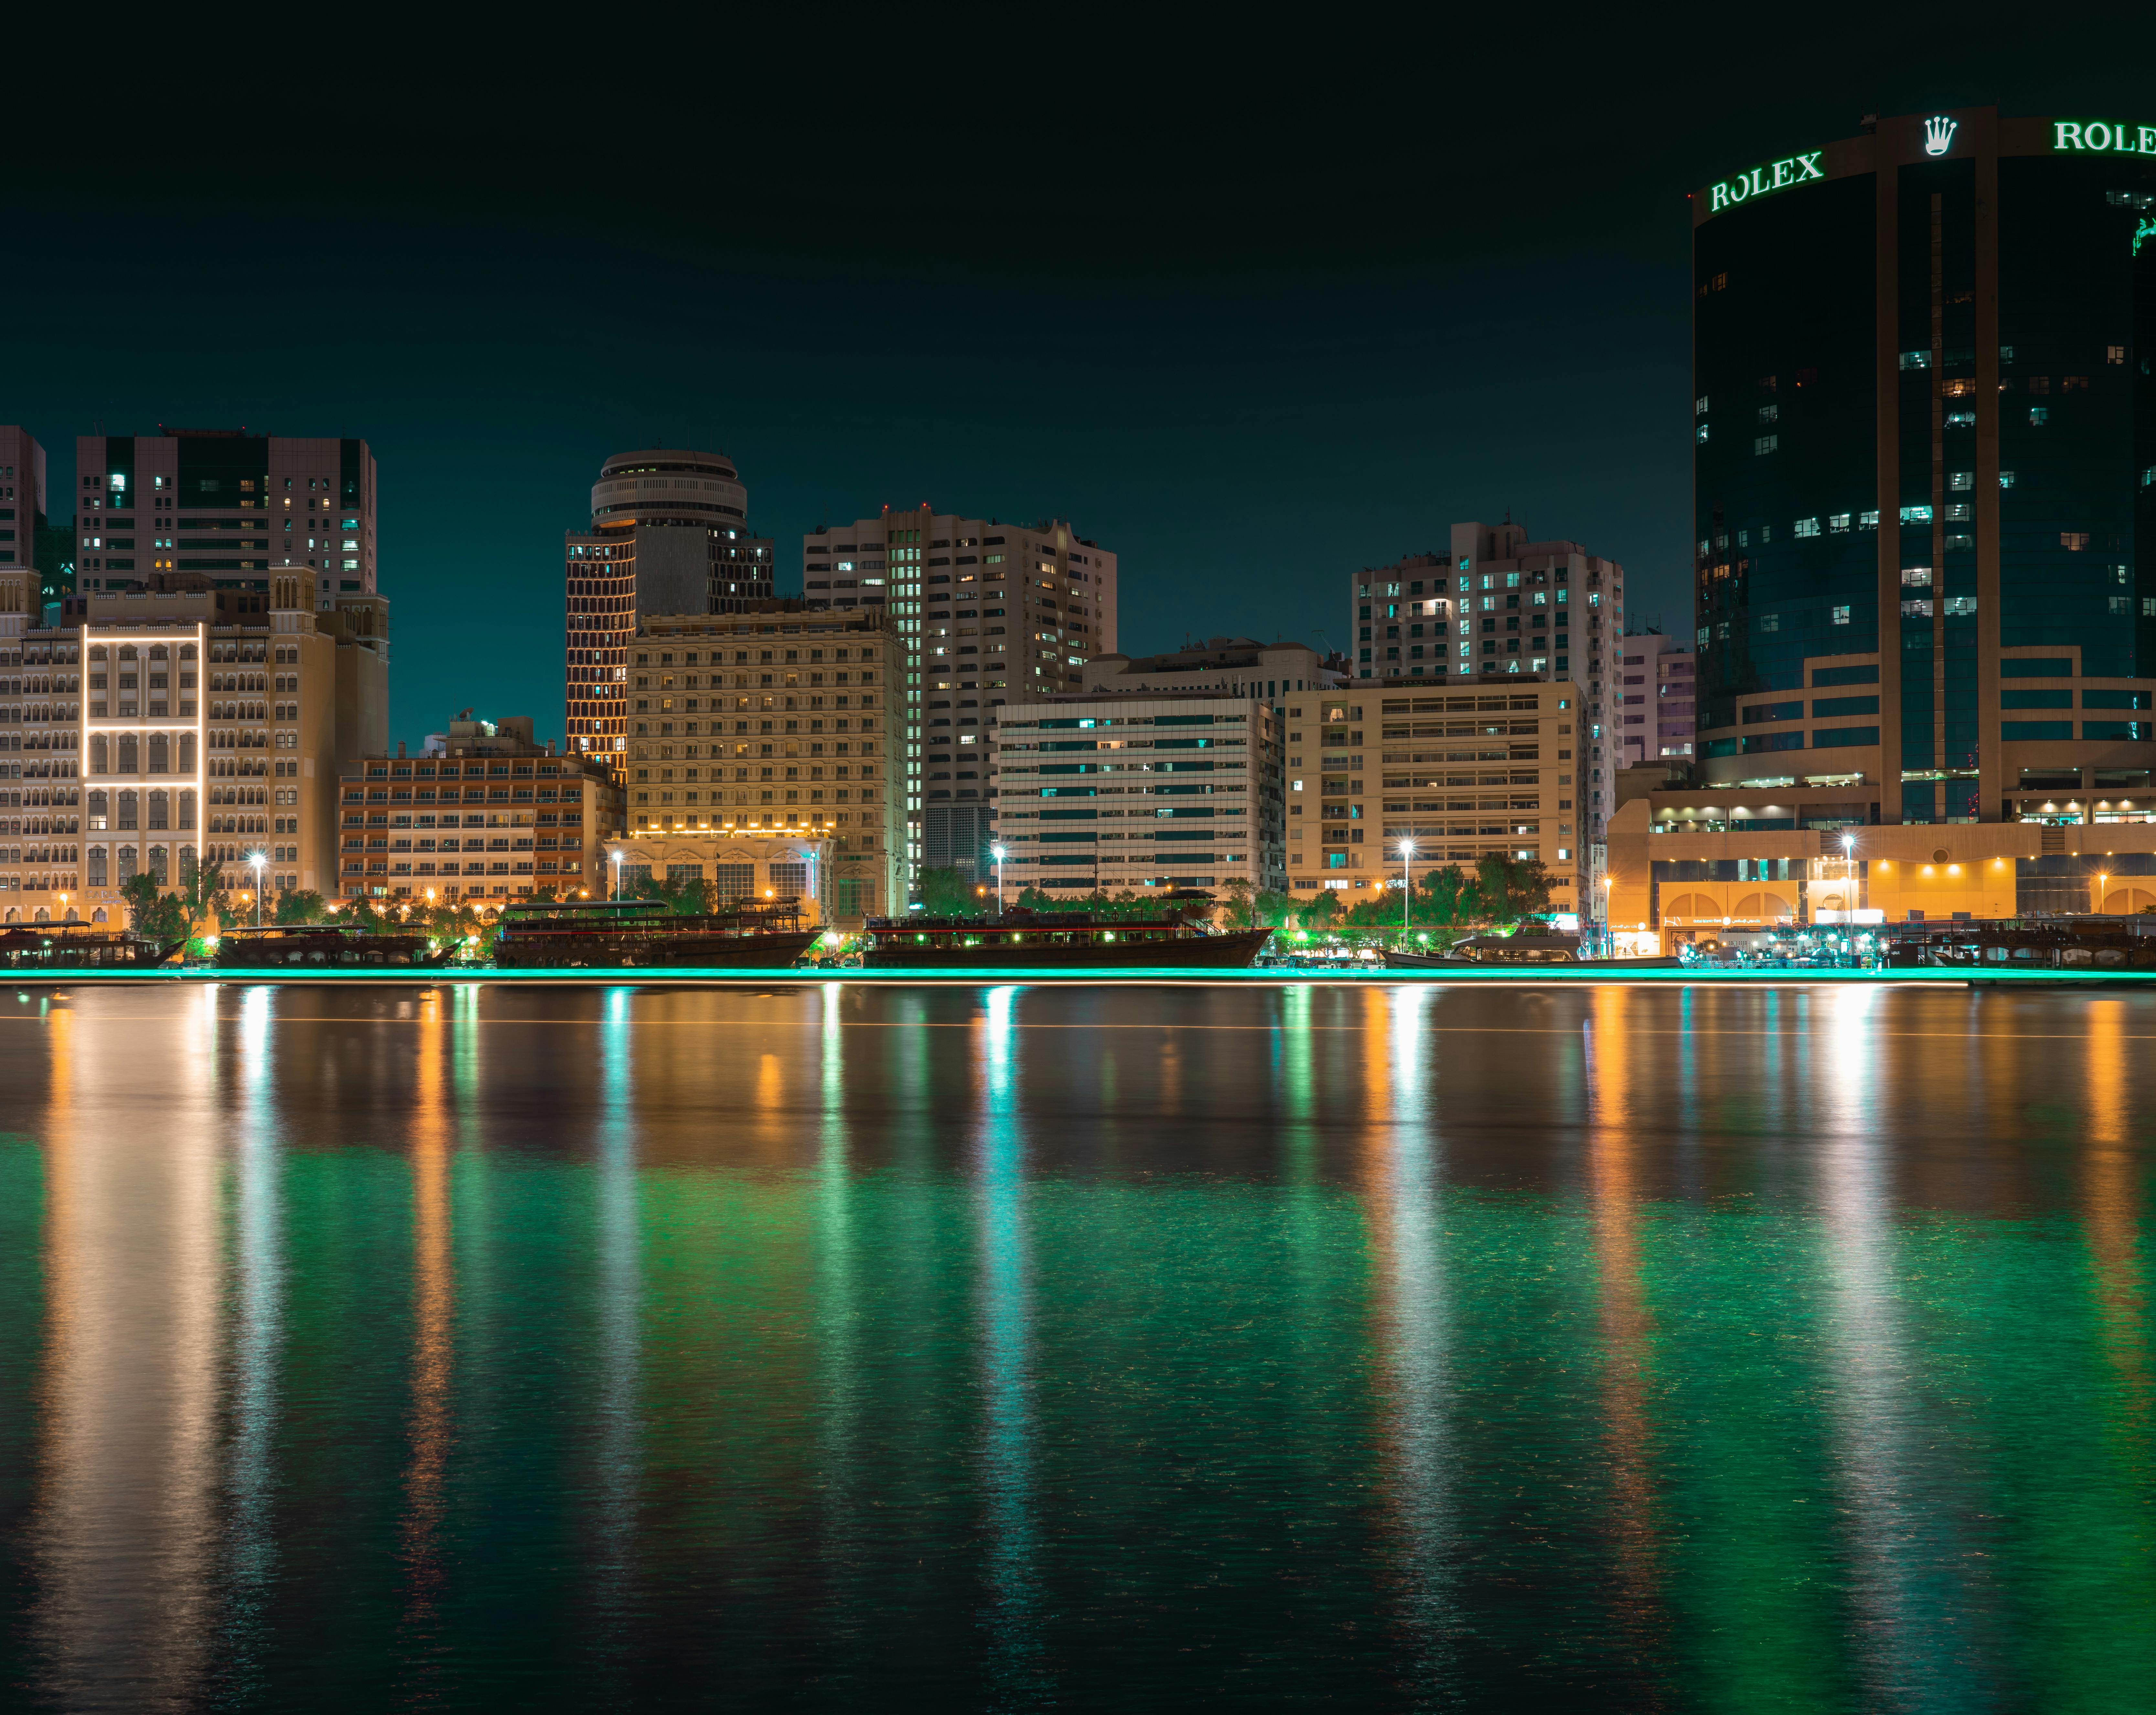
[[1063, 940], [323, 947], [77, 945], [1523, 950], [570, 933]]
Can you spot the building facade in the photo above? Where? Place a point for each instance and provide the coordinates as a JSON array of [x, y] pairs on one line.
[[742, 865], [488, 818], [669, 534], [1500, 607], [1653, 713], [781, 719], [172, 729], [984, 613], [227, 506], [1385, 787], [1923, 434], [1139, 791], [27, 536]]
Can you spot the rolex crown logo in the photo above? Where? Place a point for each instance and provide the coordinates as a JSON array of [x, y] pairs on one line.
[[1938, 134]]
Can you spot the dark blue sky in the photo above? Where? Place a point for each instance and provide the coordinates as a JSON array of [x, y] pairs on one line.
[[1252, 309]]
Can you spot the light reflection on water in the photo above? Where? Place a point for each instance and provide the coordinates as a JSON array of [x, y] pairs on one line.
[[1636, 1347]]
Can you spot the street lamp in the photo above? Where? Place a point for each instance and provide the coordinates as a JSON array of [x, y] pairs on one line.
[[997, 853], [258, 859], [1407, 882], [615, 858]]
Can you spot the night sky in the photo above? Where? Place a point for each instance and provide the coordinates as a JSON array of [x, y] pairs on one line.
[[1253, 302]]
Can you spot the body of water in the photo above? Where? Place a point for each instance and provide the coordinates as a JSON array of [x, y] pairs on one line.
[[1131, 1347]]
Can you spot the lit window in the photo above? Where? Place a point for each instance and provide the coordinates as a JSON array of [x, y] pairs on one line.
[[1839, 616], [1764, 444], [1808, 527]]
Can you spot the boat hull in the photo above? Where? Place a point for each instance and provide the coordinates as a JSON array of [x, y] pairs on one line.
[[1433, 961], [331, 951], [1235, 950], [546, 950]]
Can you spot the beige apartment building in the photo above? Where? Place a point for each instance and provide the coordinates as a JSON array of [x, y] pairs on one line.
[[173, 727], [483, 816], [1138, 790], [982, 614], [1502, 607], [1454, 773], [781, 719]]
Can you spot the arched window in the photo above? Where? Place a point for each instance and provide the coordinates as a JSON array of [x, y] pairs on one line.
[[99, 807], [129, 756], [41, 916], [161, 803], [126, 651], [188, 748], [187, 809], [126, 863], [127, 811], [97, 652], [97, 760], [97, 866], [186, 652], [161, 754], [98, 916], [158, 652], [158, 865], [187, 863]]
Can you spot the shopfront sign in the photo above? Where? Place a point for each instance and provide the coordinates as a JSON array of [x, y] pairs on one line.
[[2101, 137]]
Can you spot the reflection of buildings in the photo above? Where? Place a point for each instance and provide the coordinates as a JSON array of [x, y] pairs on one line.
[[1921, 452], [179, 725], [125, 1528], [779, 721]]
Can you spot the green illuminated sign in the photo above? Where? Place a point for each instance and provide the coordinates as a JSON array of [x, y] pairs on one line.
[[1760, 181], [2101, 137]]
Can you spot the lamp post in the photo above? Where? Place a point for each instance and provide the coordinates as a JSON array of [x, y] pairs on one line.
[[997, 853], [1407, 884], [258, 859], [615, 858]]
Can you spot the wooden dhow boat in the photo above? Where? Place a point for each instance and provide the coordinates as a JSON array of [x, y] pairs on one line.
[[767, 935]]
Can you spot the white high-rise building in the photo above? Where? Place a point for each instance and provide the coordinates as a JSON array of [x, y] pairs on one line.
[[985, 613]]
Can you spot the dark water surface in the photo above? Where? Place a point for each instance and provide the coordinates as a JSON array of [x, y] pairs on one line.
[[1142, 1347]]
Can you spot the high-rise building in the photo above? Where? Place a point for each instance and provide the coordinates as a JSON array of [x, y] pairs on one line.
[[776, 720], [1924, 431], [1653, 715], [984, 614], [1924, 450], [181, 726], [27, 536], [1499, 607], [668, 535], [1138, 790], [228, 505]]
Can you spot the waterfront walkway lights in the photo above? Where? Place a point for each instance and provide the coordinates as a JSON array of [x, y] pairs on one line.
[[258, 859], [997, 853], [1407, 883]]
